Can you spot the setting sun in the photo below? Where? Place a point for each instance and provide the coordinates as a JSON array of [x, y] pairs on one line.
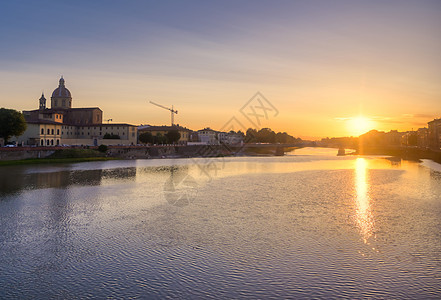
[[359, 125]]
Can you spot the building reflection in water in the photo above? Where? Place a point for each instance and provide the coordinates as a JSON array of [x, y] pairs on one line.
[[18, 180], [364, 218]]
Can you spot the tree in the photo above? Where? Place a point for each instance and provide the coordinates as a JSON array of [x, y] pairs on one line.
[[266, 135], [251, 135], [12, 123], [159, 138], [109, 136], [146, 138], [102, 148], [173, 136]]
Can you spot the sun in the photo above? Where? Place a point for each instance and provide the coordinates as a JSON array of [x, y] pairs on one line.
[[359, 125]]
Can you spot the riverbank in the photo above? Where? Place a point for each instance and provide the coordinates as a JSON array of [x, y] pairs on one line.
[[47, 155], [62, 156], [408, 153], [39, 161]]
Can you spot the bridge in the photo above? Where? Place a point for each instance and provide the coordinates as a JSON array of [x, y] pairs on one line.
[[279, 148]]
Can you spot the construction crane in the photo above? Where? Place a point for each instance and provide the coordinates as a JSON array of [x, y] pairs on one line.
[[172, 111]]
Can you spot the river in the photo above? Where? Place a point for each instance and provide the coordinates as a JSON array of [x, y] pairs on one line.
[[306, 225]]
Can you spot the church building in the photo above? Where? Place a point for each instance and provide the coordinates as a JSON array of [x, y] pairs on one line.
[[61, 124]]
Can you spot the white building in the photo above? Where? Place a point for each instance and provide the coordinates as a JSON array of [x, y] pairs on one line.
[[208, 136]]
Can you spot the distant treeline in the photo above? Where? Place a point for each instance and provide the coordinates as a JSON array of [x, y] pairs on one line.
[[373, 138], [266, 135]]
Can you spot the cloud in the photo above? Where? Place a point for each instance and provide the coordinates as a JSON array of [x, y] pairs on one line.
[[425, 116]]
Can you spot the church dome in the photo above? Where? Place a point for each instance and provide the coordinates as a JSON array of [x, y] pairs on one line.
[[61, 90]]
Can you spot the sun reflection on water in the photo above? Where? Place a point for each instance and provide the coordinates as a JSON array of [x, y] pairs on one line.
[[364, 218]]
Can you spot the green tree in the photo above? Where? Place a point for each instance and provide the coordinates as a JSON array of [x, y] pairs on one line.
[[251, 135], [266, 135], [146, 138], [103, 148], [12, 123], [159, 139], [282, 137], [173, 136], [109, 136]]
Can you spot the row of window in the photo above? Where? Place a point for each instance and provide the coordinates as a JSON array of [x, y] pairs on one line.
[[49, 142], [100, 127], [50, 131]]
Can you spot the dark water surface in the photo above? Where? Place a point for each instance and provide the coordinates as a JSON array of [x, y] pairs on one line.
[[307, 225]]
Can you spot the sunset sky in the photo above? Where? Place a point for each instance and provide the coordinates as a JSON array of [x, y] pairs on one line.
[[331, 68]]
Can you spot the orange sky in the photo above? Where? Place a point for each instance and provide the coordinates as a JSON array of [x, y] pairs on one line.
[[320, 65]]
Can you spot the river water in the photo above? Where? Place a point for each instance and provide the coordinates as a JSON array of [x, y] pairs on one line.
[[306, 225]]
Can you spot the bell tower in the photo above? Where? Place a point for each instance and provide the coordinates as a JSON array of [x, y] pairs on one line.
[[42, 102]]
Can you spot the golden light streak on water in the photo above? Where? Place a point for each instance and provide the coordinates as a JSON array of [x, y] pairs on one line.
[[363, 215]]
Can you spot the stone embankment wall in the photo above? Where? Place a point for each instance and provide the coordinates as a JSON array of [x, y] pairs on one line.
[[139, 152], [124, 152], [18, 153], [409, 153]]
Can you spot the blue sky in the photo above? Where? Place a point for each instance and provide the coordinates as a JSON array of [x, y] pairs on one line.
[[318, 62]]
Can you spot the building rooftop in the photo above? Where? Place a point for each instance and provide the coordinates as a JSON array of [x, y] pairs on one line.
[[61, 90], [162, 128]]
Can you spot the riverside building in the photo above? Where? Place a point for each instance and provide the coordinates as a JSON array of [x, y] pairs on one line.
[[61, 124]]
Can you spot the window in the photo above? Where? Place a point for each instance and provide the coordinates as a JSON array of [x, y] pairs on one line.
[[58, 131], [42, 131], [48, 131], [58, 142], [52, 142], [42, 142], [47, 142], [52, 131]]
